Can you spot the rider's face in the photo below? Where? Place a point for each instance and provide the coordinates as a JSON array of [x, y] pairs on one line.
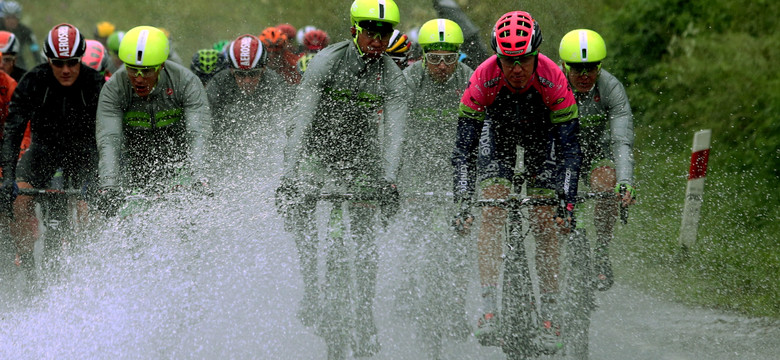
[[66, 71], [582, 77], [372, 44], [143, 79], [518, 70], [247, 80], [441, 64]]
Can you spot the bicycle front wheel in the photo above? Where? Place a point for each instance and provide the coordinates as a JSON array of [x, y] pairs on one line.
[[578, 299]]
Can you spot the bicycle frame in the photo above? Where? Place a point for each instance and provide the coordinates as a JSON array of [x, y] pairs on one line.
[[56, 216], [520, 324]]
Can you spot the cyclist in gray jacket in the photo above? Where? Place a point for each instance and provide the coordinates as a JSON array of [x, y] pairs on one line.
[[436, 84], [606, 135], [347, 128], [153, 121]]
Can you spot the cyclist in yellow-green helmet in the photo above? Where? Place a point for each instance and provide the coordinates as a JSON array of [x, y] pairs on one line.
[[606, 136], [154, 114]]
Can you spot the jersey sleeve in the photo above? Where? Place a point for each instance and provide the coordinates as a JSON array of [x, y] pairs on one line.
[[108, 131], [198, 121], [621, 126], [396, 110]]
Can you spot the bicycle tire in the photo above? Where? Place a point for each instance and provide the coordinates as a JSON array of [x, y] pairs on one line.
[[518, 322], [578, 296]]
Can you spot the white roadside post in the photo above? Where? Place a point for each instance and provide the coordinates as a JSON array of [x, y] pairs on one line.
[[693, 193]]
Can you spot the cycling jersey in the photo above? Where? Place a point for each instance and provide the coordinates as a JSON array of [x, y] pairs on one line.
[[62, 123], [430, 133], [607, 126], [235, 111], [155, 137], [337, 114], [542, 118]]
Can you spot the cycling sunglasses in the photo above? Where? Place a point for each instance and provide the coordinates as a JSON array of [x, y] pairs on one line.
[[142, 71], [510, 61], [59, 63], [247, 73], [436, 59], [583, 68]]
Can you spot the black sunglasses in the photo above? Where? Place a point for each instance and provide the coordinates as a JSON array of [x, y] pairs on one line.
[[69, 62]]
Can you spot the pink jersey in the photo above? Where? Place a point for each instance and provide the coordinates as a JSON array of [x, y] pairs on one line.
[[549, 81]]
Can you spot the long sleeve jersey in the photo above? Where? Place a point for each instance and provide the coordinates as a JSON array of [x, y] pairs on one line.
[[350, 113], [62, 118], [431, 127], [542, 118], [607, 125], [146, 139]]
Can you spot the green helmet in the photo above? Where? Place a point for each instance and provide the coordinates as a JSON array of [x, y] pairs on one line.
[[114, 40], [144, 46], [221, 45], [582, 46], [440, 34], [376, 10]]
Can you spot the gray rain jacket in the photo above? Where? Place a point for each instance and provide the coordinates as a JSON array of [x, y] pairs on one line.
[[607, 126], [349, 114], [431, 129], [147, 140]]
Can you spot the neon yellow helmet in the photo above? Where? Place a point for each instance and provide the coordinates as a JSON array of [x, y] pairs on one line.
[[440, 34], [144, 46], [375, 10], [582, 46]]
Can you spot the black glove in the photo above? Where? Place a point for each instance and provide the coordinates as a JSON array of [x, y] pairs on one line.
[[463, 217], [288, 195], [390, 201], [566, 212], [202, 187], [8, 194], [109, 201]]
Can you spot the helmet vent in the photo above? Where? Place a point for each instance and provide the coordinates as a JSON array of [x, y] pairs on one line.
[[381, 9], [584, 53]]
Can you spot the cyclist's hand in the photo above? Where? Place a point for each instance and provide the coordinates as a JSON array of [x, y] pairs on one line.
[[390, 201], [565, 217], [463, 219], [288, 195], [8, 193], [626, 194], [202, 187], [108, 201]]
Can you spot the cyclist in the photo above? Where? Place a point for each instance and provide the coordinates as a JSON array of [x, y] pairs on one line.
[[206, 63], [96, 57], [12, 13], [9, 46], [154, 115], [521, 98], [399, 49], [112, 45], [436, 85], [247, 94], [280, 58], [59, 100], [607, 135], [338, 131], [103, 30], [313, 41]]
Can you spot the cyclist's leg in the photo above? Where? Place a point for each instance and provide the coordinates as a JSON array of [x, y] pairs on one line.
[[603, 179], [24, 226], [305, 232], [489, 251], [363, 228]]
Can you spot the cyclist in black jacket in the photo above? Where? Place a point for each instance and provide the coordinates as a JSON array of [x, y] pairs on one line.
[[59, 99]]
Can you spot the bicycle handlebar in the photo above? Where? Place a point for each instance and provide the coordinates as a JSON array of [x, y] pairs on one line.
[[50, 192]]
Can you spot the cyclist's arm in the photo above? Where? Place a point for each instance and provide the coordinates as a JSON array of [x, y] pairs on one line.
[[198, 120], [464, 156], [20, 111], [621, 126], [571, 158], [108, 129], [307, 100], [396, 110]]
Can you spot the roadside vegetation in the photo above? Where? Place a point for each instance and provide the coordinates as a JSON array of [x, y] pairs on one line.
[[687, 65]]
